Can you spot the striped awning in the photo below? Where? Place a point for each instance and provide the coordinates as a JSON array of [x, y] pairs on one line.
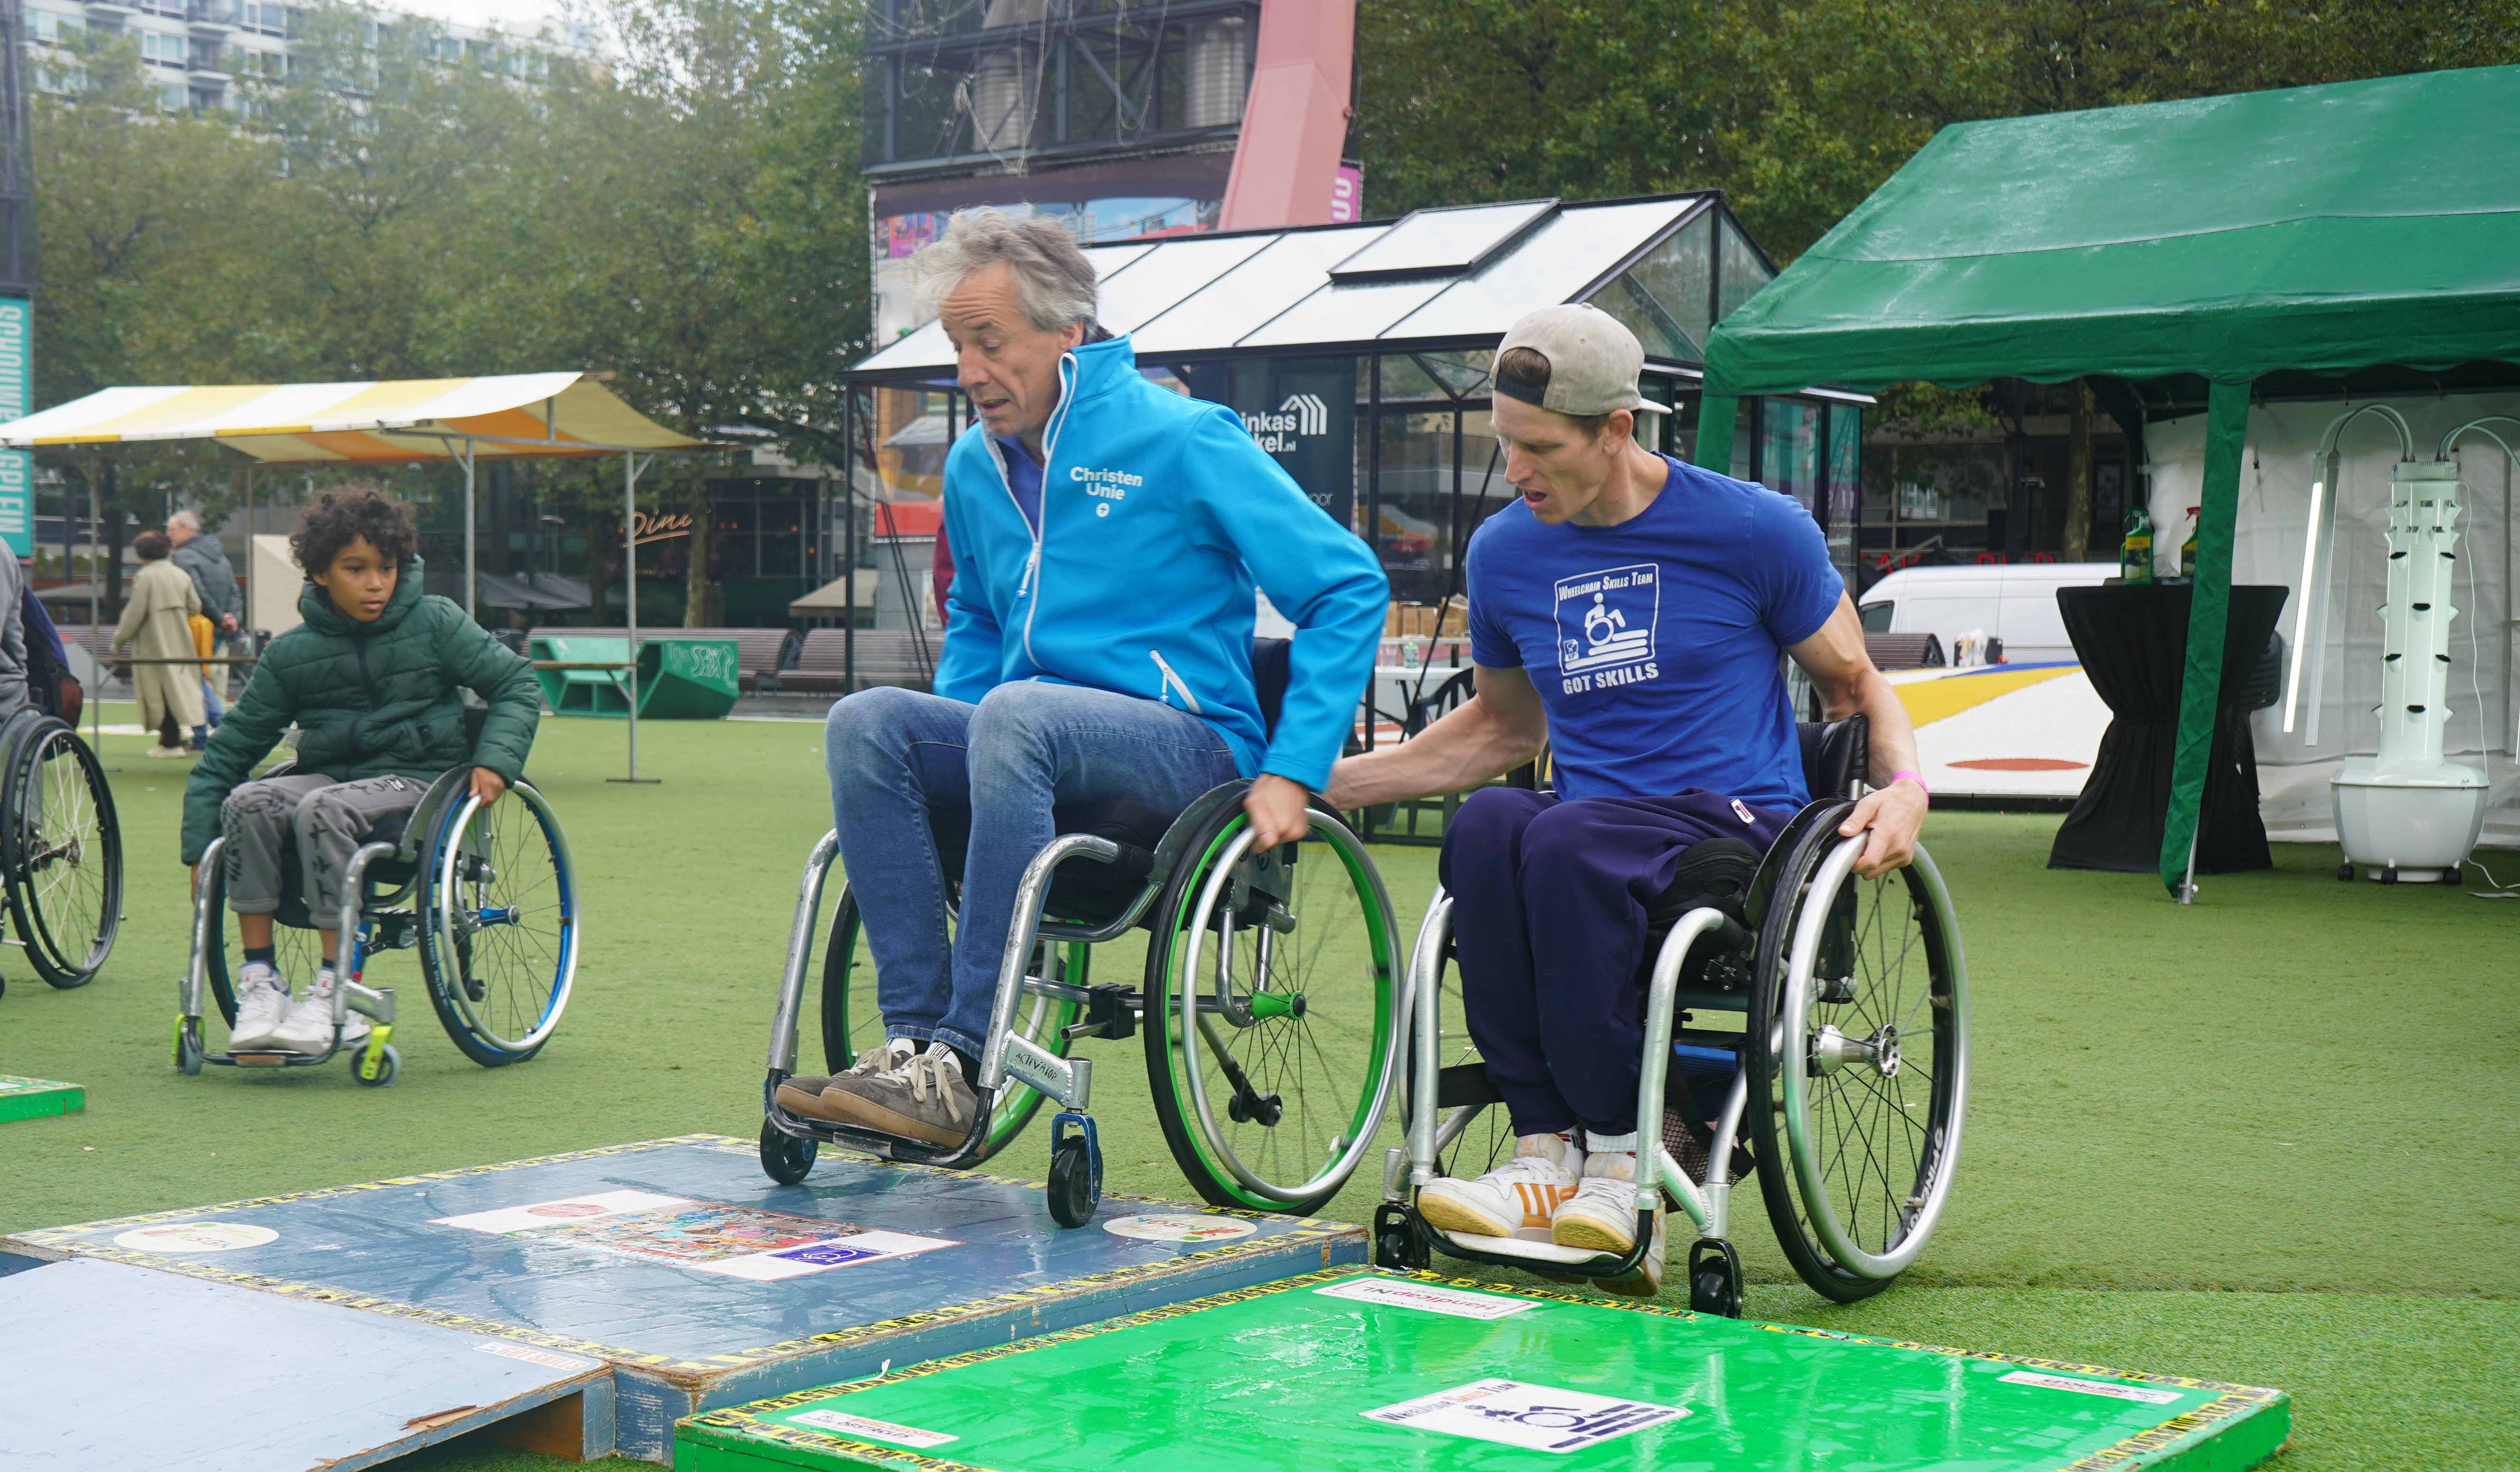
[[530, 414]]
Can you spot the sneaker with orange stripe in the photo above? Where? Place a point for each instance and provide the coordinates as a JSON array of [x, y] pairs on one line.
[[1521, 1195]]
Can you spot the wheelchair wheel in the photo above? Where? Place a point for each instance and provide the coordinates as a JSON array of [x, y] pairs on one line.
[[64, 855], [298, 954], [852, 1023], [497, 924], [1272, 1014], [1860, 1075]]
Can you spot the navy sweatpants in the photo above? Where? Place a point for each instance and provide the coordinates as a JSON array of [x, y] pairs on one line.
[[1549, 920]]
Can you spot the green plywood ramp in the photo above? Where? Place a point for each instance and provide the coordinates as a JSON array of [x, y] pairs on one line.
[[1349, 1369], [33, 1099]]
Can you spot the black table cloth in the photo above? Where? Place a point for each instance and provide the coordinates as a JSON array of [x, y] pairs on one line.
[[2133, 642]]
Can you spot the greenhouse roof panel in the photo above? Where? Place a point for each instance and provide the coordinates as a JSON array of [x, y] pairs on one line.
[[1442, 242], [1252, 295], [1554, 263]]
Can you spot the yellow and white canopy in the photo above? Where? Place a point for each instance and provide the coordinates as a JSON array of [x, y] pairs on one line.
[[530, 414]]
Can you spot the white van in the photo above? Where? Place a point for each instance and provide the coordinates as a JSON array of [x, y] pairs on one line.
[[2015, 602]]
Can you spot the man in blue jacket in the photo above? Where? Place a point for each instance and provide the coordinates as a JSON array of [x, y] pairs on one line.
[[1107, 537]]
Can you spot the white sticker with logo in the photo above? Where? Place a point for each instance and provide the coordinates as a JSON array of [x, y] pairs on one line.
[[1179, 1229], [544, 1357], [1534, 1417], [1427, 1297], [559, 1212], [196, 1236], [1605, 628], [2144, 1393], [867, 1426]]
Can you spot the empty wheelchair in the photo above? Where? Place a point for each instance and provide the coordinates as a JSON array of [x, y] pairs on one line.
[[487, 894], [1802, 1024], [60, 849], [1268, 1004]]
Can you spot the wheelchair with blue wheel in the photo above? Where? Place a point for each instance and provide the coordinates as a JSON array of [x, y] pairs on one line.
[[1268, 1002], [487, 895], [61, 849], [1804, 1025]]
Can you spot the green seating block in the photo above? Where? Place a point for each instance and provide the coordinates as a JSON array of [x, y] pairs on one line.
[[1351, 1371], [34, 1098], [679, 679]]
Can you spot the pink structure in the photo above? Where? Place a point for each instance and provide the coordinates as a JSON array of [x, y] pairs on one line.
[[1286, 165]]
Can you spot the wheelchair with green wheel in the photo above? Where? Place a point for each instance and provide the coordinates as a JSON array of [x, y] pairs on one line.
[[1804, 1025], [1269, 1004], [487, 895], [61, 849]]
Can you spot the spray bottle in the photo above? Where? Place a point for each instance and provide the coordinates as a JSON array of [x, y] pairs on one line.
[[2187, 549], [2135, 554]]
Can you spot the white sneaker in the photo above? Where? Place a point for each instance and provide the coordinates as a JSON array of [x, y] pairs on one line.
[[1603, 1213], [1520, 1195], [308, 1027], [262, 999]]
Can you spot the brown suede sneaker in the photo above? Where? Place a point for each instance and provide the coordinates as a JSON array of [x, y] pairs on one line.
[[803, 1095], [926, 1099]]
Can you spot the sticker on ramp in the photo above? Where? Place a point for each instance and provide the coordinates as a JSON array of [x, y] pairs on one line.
[[194, 1237], [705, 1236], [544, 1357], [1426, 1297], [1534, 1417], [1182, 1228], [2143, 1393], [867, 1426]]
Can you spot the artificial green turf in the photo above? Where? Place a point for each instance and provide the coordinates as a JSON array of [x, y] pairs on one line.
[[2246, 1117]]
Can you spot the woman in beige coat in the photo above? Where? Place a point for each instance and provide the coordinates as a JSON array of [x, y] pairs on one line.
[[158, 625]]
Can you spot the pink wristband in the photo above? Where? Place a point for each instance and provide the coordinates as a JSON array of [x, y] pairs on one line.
[[1913, 777]]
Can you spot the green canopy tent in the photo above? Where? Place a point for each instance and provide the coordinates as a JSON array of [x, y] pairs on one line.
[[2316, 231]]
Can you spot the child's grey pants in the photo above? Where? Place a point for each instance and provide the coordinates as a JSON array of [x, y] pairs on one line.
[[329, 820]]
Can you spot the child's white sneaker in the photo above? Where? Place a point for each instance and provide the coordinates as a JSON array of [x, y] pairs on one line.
[[308, 1027], [1603, 1216], [1523, 1193], [262, 999]]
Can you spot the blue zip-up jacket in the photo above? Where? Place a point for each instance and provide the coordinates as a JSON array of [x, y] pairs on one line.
[[1158, 518]]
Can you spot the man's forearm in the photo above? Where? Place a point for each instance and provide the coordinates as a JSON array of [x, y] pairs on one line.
[[1890, 741], [1461, 750]]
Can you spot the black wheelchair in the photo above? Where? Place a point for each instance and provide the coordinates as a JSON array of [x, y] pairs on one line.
[[1785, 998], [61, 849], [1269, 1004], [488, 895]]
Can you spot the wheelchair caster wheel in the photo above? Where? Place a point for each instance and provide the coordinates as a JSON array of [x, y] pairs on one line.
[[785, 1158], [1715, 1278], [384, 1071], [1397, 1243], [2344, 874], [1075, 1169], [188, 1045]]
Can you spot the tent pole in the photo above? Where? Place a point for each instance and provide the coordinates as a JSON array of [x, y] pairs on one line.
[[2200, 688], [630, 468], [95, 593], [245, 625], [471, 560]]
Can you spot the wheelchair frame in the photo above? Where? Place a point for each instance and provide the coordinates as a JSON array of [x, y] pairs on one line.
[[367, 923], [1404, 1238], [788, 1141]]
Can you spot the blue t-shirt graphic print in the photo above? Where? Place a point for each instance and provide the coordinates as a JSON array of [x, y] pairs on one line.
[[1654, 643]]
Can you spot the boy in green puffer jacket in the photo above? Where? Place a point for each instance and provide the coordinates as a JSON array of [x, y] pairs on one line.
[[372, 680]]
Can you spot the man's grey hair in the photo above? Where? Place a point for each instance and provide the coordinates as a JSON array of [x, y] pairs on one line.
[[190, 518], [1052, 278]]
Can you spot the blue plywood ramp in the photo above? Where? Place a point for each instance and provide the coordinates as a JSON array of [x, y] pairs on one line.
[[702, 1283], [117, 1366]]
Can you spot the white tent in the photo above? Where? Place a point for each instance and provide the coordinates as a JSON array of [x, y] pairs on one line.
[[2276, 479]]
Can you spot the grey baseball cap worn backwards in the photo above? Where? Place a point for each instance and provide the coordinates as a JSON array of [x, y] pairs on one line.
[[1593, 362]]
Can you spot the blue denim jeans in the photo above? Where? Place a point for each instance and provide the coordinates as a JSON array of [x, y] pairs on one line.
[[893, 754]]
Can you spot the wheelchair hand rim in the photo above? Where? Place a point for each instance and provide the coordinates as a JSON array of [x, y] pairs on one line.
[[1794, 1079], [452, 825], [1187, 1041]]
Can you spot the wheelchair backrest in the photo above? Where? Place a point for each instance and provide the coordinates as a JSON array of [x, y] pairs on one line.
[[1270, 667], [1835, 755]]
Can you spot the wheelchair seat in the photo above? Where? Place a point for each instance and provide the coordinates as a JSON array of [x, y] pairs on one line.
[[1095, 894]]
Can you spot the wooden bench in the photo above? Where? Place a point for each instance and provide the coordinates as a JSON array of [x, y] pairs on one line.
[[884, 657], [1904, 652]]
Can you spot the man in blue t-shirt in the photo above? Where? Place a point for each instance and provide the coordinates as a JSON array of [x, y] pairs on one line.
[[1627, 614]]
